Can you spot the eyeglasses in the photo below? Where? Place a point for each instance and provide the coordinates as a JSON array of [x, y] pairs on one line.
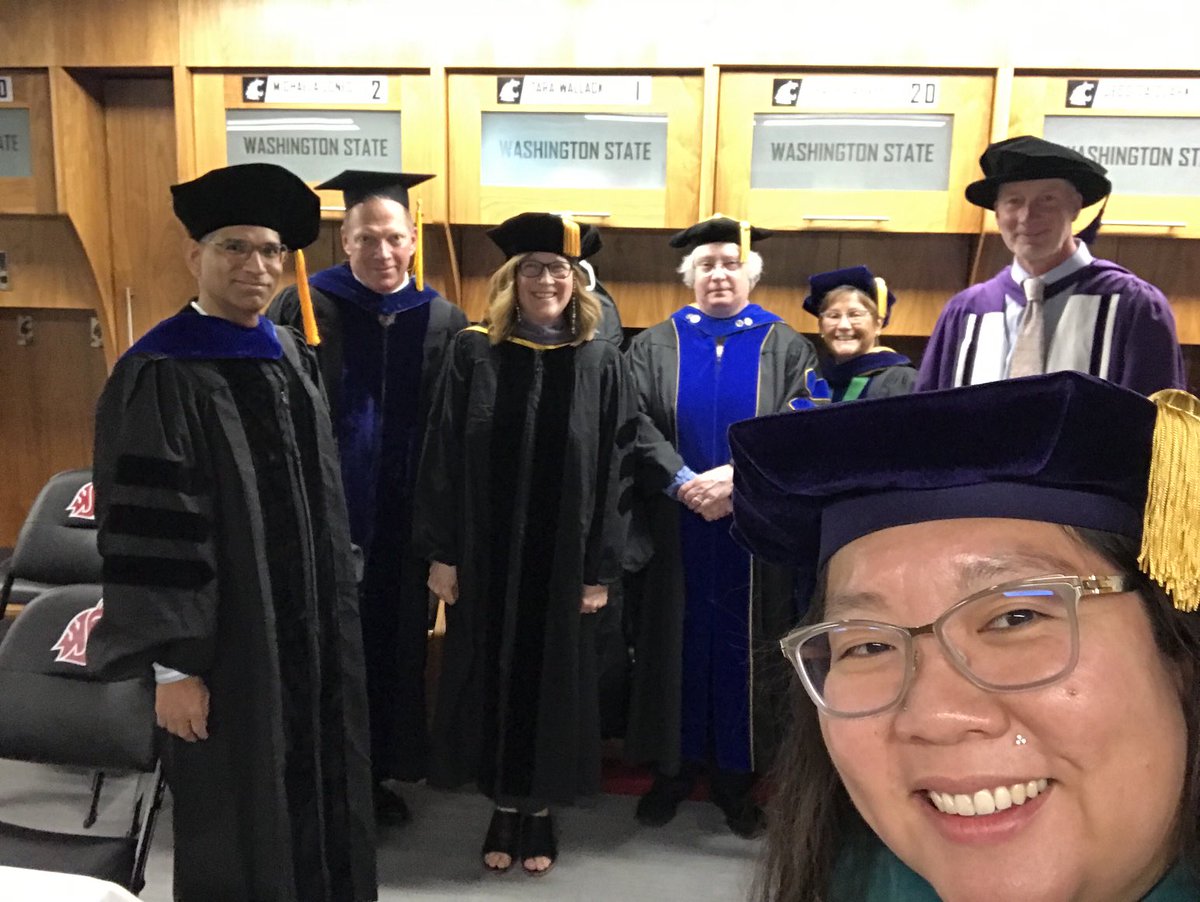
[[239, 250], [707, 265], [533, 269], [1011, 637], [834, 316]]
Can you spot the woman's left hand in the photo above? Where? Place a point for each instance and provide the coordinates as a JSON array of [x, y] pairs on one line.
[[594, 598]]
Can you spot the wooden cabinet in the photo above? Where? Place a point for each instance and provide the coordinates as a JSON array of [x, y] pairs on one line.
[[403, 103], [28, 139], [1145, 131], [633, 162], [877, 152]]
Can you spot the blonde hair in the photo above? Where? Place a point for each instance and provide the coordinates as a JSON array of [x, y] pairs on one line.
[[501, 316]]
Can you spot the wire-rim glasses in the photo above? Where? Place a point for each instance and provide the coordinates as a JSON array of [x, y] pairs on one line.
[[1012, 637]]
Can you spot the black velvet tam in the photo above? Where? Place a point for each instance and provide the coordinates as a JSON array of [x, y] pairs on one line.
[[1064, 448], [855, 276], [357, 185], [1025, 158], [528, 233], [719, 228], [250, 194]]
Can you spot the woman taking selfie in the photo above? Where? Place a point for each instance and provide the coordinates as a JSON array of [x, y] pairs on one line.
[[999, 703]]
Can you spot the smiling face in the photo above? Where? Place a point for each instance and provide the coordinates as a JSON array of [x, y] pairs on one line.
[[543, 298], [379, 239], [849, 325], [1035, 218], [1108, 740], [722, 283], [234, 289]]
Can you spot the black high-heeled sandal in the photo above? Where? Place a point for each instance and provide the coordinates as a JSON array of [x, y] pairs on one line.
[[503, 838], [538, 841]]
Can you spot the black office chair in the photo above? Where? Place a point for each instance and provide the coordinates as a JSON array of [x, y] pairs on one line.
[[80, 781], [57, 542]]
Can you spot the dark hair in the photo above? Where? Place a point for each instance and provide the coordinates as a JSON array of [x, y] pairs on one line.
[[811, 820]]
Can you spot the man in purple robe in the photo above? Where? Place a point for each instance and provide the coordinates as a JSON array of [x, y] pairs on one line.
[[1056, 307]]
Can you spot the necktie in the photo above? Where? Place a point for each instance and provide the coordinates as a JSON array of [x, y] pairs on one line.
[[1029, 350]]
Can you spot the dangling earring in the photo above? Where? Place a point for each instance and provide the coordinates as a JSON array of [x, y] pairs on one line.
[[574, 316], [517, 307]]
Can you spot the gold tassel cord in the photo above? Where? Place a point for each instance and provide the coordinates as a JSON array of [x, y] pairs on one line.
[[419, 250], [881, 298], [1170, 553], [570, 242], [311, 335], [743, 241]]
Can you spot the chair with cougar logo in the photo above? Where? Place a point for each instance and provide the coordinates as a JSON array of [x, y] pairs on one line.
[[57, 542], [80, 781]]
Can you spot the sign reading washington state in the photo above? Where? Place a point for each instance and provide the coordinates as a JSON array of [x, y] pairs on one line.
[[1143, 154], [573, 150], [851, 152], [14, 144], [315, 144]]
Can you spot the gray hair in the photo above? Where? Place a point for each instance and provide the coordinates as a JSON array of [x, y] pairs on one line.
[[687, 267]]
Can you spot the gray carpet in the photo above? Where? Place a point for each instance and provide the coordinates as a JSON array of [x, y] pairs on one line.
[[604, 854]]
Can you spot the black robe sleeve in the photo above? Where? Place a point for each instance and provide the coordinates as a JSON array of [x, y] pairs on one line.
[[657, 461], [438, 505], [603, 556], [155, 520]]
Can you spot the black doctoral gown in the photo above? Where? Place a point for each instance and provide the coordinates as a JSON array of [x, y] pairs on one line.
[[226, 555], [655, 593], [522, 488], [380, 356]]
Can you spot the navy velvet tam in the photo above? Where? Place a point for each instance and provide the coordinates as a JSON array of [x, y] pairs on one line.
[[718, 228], [1025, 158], [529, 233], [1064, 448], [854, 276], [250, 194], [358, 185]]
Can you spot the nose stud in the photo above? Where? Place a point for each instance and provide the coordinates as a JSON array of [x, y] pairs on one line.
[[1020, 740]]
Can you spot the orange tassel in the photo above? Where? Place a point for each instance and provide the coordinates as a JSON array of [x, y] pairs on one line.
[[419, 251], [311, 335]]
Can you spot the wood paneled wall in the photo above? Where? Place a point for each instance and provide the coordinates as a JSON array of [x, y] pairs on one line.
[[593, 33], [48, 392]]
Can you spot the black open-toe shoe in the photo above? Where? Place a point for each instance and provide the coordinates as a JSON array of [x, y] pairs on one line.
[[538, 841], [503, 837]]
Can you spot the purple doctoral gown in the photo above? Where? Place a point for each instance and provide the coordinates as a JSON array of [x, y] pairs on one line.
[[1114, 325]]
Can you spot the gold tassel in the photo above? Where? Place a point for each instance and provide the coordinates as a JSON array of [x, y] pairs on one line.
[[881, 298], [570, 242], [311, 335], [1170, 552], [743, 241], [419, 250]]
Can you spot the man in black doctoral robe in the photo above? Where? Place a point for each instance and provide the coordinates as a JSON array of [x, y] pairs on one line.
[[383, 336], [227, 564]]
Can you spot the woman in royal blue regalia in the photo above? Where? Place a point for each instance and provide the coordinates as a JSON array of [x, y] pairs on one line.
[[699, 605]]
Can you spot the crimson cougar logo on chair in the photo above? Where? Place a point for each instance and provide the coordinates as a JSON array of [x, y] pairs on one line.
[[72, 644], [83, 505]]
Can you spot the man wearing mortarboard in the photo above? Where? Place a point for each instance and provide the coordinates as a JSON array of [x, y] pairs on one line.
[[228, 565], [1056, 307], [383, 333]]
